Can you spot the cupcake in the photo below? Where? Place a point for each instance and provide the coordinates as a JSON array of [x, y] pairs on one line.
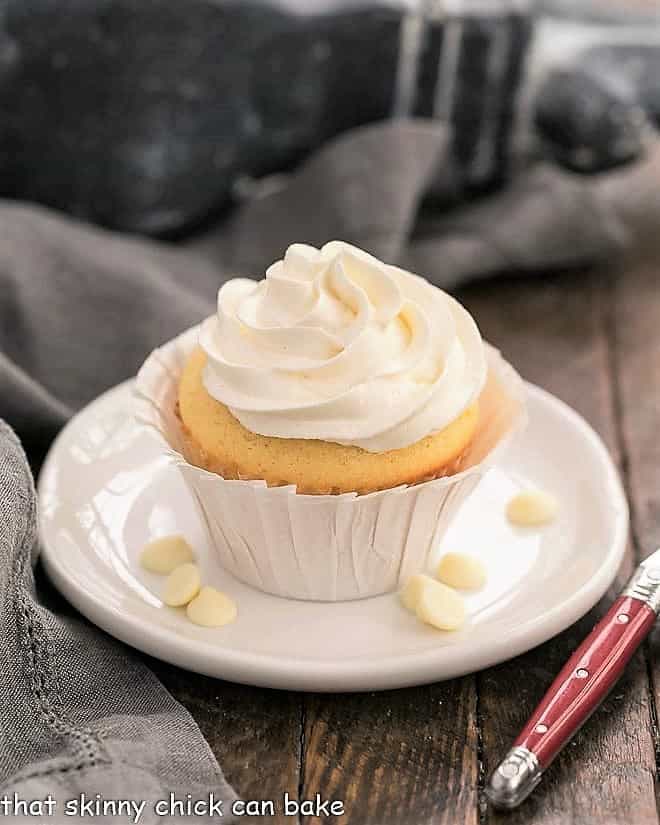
[[336, 373], [330, 419]]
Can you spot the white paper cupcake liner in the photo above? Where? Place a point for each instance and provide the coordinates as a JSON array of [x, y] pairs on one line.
[[325, 547]]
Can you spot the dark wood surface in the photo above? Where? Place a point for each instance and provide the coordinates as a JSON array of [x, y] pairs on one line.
[[420, 756]]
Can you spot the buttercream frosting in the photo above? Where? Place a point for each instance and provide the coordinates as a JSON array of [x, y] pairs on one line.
[[335, 345]]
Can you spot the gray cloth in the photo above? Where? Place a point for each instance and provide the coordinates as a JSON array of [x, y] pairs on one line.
[[79, 310], [79, 714]]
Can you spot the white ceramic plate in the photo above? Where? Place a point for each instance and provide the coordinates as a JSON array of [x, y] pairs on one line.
[[104, 492]]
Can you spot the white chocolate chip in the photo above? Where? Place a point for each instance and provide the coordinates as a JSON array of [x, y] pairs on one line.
[[412, 590], [182, 585], [211, 608], [440, 606], [532, 508], [461, 571], [165, 554]]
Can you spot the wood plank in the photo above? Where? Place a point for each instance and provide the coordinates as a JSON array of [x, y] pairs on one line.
[[556, 332], [254, 733], [397, 757], [636, 332]]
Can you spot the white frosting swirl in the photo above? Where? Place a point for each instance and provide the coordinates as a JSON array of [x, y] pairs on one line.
[[335, 345]]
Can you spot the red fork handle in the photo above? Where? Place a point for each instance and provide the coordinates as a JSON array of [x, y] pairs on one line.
[[586, 679], [583, 683]]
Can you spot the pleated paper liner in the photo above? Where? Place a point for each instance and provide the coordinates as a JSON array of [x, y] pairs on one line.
[[326, 547]]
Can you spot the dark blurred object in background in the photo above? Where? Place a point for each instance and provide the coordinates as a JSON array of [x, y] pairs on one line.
[[594, 80], [143, 114], [153, 116], [587, 124]]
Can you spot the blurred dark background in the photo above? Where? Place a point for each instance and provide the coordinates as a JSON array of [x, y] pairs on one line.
[[156, 116]]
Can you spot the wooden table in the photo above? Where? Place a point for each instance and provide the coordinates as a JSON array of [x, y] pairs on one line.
[[421, 755]]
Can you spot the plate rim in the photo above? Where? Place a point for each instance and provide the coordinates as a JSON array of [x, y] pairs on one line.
[[289, 672]]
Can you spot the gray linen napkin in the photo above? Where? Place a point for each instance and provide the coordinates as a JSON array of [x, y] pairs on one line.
[[78, 713], [79, 310]]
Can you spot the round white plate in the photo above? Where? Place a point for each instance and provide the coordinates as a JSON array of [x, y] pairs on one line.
[[104, 492]]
